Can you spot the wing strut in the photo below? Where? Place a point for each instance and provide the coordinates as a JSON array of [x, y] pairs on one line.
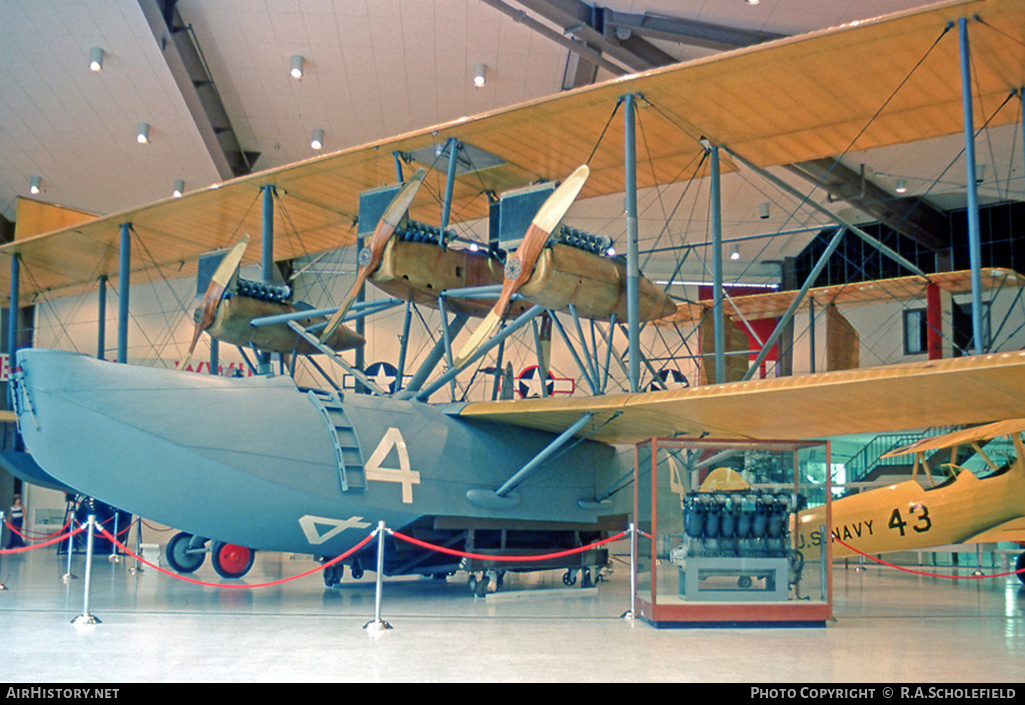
[[501, 498], [785, 320], [892, 254], [333, 356], [523, 320]]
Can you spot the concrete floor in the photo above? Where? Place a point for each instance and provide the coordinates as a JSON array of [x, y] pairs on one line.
[[890, 627]]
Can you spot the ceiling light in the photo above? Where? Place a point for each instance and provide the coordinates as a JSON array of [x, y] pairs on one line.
[[96, 59], [142, 133], [480, 74], [752, 2], [35, 185], [763, 210], [297, 67], [179, 188], [734, 253], [902, 186], [318, 139]]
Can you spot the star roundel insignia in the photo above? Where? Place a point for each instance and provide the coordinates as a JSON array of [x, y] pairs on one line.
[[384, 375], [530, 380], [364, 257], [512, 268]]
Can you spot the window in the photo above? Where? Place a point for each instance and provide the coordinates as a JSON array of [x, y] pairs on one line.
[[916, 332], [964, 333]]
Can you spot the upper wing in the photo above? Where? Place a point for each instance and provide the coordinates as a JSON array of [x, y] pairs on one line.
[[775, 304], [967, 390], [956, 438], [795, 99]]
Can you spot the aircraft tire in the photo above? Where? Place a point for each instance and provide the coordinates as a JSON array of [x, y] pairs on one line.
[[1019, 565], [231, 560], [178, 555]]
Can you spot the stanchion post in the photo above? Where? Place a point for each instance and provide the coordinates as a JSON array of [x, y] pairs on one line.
[[137, 568], [85, 617], [823, 575], [113, 557], [378, 624], [978, 573], [629, 614], [69, 576], [2, 586]]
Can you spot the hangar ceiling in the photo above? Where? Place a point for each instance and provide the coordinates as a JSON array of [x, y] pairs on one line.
[[372, 68]]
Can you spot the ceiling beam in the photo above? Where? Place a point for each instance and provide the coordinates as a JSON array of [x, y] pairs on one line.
[[681, 31], [180, 50], [621, 36], [587, 24], [913, 217]]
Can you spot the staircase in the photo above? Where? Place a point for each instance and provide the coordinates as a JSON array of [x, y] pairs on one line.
[[352, 475], [867, 464]]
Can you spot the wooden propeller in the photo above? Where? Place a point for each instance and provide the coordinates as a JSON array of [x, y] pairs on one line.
[[370, 256], [520, 265], [218, 283]]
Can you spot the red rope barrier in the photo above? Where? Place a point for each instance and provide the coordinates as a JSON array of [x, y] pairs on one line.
[[511, 559], [322, 566], [33, 547], [920, 572], [25, 534]]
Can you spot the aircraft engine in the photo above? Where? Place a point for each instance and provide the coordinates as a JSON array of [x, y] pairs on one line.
[[739, 523]]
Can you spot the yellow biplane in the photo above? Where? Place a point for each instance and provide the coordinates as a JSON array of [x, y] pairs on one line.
[[985, 505]]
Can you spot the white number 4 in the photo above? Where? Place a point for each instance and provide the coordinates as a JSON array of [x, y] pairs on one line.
[[403, 474]]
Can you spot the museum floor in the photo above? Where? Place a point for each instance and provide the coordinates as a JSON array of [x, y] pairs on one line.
[[890, 627]]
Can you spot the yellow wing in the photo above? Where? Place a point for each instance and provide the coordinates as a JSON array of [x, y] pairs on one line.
[[781, 101], [967, 390]]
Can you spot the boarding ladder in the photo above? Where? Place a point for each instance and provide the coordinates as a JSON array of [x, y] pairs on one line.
[[352, 476]]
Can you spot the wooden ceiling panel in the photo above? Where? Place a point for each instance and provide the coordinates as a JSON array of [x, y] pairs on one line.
[[796, 99]]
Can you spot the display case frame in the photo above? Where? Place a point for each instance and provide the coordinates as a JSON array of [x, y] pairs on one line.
[[662, 607]]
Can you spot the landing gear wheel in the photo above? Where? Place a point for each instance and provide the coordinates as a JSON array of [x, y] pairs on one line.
[[744, 581], [333, 575], [1019, 565], [180, 557], [231, 560]]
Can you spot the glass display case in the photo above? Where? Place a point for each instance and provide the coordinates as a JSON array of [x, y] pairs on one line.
[[719, 541]]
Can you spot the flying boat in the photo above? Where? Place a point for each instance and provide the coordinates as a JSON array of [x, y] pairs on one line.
[[263, 463]]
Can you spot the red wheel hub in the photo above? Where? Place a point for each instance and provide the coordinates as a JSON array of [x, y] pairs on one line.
[[232, 558]]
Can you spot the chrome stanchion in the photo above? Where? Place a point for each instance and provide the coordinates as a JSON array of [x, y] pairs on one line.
[[379, 625], [69, 576], [137, 568], [978, 572], [70, 511], [113, 557], [2, 586], [629, 614], [85, 617], [823, 567]]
